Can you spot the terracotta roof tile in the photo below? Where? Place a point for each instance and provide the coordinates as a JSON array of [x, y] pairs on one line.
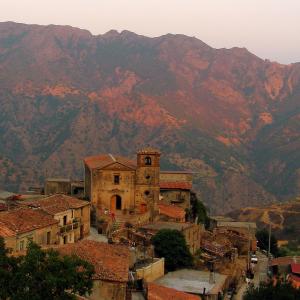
[[159, 292], [177, 185], [295, 277], [5, 231], [171, 211], [56, 203], [24, 220], [111, 262], [104, 160], [285, 260], [295, 268]]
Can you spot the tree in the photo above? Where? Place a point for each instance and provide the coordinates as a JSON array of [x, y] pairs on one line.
[[198, 210], [171, 245], [45, 275], [8, 266], [262, 237], [273, 291]]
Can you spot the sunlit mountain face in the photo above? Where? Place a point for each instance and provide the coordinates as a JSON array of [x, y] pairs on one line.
[[227, 115]]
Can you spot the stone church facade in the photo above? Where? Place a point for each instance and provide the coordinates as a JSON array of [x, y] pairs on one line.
[[120, 187]]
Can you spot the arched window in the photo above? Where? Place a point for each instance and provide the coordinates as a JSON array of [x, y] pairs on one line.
[[148, 161]]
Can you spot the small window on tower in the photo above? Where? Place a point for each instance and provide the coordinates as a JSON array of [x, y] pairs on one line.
[[116, 179], [147, 193], [148, 161]]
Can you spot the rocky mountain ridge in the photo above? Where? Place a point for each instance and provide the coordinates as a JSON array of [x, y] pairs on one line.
[[226, 114]]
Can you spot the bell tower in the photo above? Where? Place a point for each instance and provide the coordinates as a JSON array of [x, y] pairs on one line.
[[147, 181]]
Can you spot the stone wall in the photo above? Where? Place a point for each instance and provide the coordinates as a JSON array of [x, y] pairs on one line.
[[192, 236], [19, 242], [104, 290], [83, 214], [57, 187], [178, 197], [153, 271], [104, 189]]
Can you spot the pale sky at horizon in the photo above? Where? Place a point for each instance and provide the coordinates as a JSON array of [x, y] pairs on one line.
[[268, 28]]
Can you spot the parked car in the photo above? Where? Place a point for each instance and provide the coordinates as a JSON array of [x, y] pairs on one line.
[[254, 259]]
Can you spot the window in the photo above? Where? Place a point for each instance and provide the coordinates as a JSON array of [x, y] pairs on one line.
[[48, 237], [148, 161], [21, 246], [116, 179], [147, 193], [81, 211], [65, 220], [65, 239], [147, 176]]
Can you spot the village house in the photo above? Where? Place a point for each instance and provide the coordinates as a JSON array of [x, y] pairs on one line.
[[170, 213], [65, 186], [241, 234], [206, 285], [191, 232], [72, 214], [175, 188], [111, 263], [159, 292], [19, 226]]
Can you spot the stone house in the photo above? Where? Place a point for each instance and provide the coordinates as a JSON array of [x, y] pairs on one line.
[[160, 292], [72, 214], [171, 213], [175, 187], [204, 284], [111, 264], [57, 186], [64, 186], [242, 234], [192, 232], [20, 225]]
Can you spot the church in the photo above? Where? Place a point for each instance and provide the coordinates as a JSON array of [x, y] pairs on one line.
[[128, 189]]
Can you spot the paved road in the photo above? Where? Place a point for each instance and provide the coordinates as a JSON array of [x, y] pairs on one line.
[[260, 274], [260, 269]]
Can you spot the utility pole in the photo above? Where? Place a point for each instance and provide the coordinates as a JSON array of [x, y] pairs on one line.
[[269, 248], [249, 246]]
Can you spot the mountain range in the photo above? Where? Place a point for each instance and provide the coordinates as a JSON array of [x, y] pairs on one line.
[[225, 114]]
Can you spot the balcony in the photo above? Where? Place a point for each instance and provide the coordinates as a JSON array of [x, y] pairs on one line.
[[69, 227]]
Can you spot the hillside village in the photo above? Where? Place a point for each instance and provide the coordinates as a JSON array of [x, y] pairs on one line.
[[110, 218]]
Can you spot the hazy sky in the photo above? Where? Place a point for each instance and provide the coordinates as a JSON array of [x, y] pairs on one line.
[[268, 28]]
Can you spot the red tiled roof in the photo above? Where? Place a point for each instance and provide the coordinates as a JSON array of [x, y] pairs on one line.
[[5, 231], [159, 292], [111, 262], [177, 185], [57, 203], [104, 160], [294, 278], [171, 211], [284, 261], [177, 172], [3, 207], [295, 268], [24, 220]]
